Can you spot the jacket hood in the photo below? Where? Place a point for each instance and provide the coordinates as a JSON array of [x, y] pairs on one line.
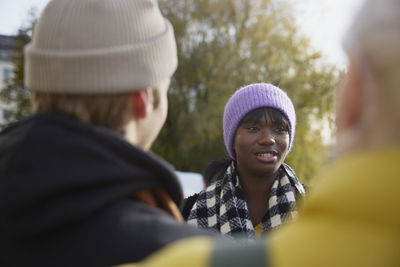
[[55, 170]]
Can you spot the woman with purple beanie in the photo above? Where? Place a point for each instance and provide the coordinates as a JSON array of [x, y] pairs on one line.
[[253, 191]]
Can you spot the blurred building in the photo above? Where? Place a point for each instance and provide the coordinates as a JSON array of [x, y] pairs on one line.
[[6, 65]]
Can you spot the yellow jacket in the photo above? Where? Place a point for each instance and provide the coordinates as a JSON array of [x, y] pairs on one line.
[[351, 218]]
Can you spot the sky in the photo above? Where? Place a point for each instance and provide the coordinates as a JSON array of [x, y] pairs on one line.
[[323, 21]]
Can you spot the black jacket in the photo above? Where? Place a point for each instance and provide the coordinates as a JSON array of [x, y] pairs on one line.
[[66, 196]]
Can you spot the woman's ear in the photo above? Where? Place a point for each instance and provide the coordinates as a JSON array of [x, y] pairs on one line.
[[142, 103]]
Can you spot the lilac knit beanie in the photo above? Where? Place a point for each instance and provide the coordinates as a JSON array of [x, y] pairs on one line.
[[251, 97]]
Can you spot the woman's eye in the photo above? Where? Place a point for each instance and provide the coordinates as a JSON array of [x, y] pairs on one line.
[[252, 128], [280, 130]]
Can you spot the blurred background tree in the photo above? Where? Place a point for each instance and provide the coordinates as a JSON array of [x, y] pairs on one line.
[[225, 44], [14, 94]]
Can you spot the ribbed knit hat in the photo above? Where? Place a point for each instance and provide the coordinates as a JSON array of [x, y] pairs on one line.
[[251, 97], [100, 46]]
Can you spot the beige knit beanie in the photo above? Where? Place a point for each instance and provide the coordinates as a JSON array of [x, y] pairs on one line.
[[100, 46]]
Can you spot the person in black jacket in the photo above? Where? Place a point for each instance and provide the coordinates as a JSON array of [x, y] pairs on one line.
[[77, 185], [253, 191]]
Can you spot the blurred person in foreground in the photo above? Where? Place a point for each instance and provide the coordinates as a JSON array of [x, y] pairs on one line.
[[77, 187], [352, 215]]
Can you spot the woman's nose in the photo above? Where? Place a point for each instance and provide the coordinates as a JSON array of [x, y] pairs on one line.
[[266, 138]]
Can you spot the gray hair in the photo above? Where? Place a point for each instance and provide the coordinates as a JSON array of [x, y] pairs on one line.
[[374, 38], [375, 32]]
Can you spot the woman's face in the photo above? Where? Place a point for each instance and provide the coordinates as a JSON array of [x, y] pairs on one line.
[[261, 145]]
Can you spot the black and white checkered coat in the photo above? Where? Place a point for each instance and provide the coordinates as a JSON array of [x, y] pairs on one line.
[[222, 206]]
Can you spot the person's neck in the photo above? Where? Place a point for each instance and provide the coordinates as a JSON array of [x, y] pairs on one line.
[[256, 189], [130, 134]]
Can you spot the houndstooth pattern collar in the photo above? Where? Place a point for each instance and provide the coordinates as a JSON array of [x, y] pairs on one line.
[[222, 205]]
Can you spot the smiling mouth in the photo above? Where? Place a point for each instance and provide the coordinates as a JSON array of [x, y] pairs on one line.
[[267, 157]]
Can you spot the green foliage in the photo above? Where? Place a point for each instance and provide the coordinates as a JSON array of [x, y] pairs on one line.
[[14, 93], [225, 44]]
